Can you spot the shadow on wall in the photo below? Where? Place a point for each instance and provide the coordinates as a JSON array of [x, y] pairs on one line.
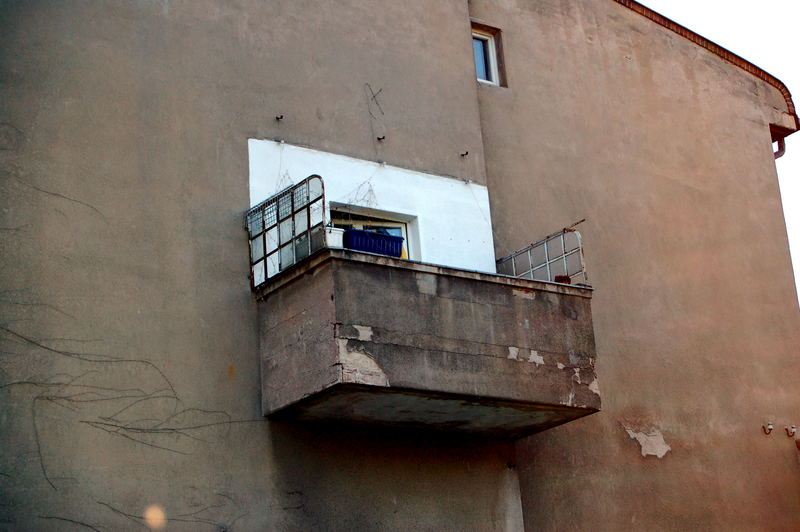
[[349, 477]]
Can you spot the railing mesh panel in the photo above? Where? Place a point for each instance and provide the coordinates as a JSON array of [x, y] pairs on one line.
[[286, 228], [555, 258]]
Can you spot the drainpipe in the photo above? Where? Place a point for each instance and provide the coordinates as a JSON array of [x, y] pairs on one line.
[[781, 148]]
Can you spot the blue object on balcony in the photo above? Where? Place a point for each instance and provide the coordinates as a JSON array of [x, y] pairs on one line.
[[372, 242]]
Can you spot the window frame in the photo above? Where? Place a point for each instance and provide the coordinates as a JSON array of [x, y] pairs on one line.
[[340, 217], [490, 52], [494, 38]]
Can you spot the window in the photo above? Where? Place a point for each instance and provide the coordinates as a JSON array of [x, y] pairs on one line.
[[486, 49], [348, 220], [483, 49]]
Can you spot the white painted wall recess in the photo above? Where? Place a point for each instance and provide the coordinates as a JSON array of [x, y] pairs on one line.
[[448, 219]]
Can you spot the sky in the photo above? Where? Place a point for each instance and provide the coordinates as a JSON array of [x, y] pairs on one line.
[[765, 33]]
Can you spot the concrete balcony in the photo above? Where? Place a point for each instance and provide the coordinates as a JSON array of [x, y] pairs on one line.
[[353, 337]]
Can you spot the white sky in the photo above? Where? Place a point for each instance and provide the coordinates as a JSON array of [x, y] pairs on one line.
[[765, 32]]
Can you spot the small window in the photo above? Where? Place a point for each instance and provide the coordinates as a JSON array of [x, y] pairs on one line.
[[486, 50]]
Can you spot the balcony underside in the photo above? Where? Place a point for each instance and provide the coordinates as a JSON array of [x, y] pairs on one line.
[[351, 337], [394, 407]]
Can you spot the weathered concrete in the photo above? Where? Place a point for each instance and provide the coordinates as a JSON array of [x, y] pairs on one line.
[[401, 343]]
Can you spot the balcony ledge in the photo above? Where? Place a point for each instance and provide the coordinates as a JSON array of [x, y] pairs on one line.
[[355, 337], [329, 254]]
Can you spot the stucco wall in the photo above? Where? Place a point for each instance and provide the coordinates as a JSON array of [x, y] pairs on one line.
[[665, 150], [129, 364], [129, 345]]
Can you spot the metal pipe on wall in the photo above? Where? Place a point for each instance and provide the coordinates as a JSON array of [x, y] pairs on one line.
[[781, 148]]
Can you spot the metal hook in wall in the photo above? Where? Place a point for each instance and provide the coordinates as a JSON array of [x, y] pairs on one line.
[[279, 117], [790, 431], [382, 138], [464, 154], [768, 427]]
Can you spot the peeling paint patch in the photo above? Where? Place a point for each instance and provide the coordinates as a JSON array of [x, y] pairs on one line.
[[359, 367], [594, 387], [577, 376], [426, 284], [513, 353], [536, 358], [525, 294], [354, 332], [364, 332], [559, 365], [651, 441]]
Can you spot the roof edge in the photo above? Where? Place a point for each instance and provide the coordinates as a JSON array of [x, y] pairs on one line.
[[717, 50]]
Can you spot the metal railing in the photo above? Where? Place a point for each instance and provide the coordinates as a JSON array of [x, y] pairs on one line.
[[286, 228], [556, 258]]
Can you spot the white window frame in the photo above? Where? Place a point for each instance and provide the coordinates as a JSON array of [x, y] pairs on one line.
[[491, 57]]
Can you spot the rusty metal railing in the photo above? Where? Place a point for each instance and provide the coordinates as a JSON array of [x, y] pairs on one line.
[[556, 258]]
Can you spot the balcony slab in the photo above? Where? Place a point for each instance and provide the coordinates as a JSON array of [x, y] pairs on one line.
[[354, 337]]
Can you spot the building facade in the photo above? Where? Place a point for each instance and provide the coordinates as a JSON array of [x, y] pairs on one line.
[[152, 376]]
